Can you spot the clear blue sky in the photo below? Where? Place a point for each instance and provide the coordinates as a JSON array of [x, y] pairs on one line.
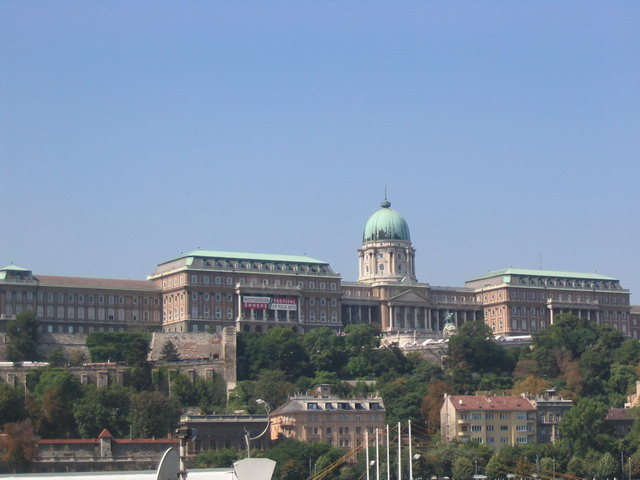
[[505, 132]]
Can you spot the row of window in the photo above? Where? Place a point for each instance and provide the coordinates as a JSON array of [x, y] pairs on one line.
[[207, 297], [565, 282], [453, 298], [73, 298], [175, 314], [489, 416], [503, 440], [343, 406], [80, 313], [206, 313], [276, 283], [540, 296], [381, 268], [77, 329], [254, 264], [504, 428], [527, 325], [358, 293], [311, 285], [340, 430]]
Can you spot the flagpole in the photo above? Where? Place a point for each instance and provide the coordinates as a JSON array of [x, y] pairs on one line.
[[377, 455], [410, 455], [399, 452], [366, 442], [388, 459]]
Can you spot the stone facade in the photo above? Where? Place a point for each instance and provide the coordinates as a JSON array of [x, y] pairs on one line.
[[323, 417], [200, 353], [496, 421], [102, 453], [216, 432], [201, 356], [550, 409], [207, 291]]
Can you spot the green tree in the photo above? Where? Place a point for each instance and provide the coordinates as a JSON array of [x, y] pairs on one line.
[[139, 377], [57, 357], [22, 333], [278, 349], [218, 458], [496, 467], [208, 395], [462, 469], [607, 466], [55, 394], [622, 378], [372, 362], [11, 404], [292, 470], [576, 467], [361, 336], [584, 425], [67, 382], [152, 414], [184, 391], [103, 408], [272, 387], [326, 350], [77, 357], [402, 398], [628, 353], [474, 349], [169, 352], [129, 347]]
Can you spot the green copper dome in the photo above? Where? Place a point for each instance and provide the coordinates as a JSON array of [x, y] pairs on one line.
[[386, 224]]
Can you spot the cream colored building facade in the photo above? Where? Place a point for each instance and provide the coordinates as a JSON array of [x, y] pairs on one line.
[[496, 421], [207, 290], [327, 418]]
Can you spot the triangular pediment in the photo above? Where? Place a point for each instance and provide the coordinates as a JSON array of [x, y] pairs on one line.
[[408, 296]]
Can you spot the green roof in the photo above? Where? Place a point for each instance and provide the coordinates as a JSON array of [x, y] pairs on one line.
[[14, 268], [386, 224], [261, 257], [543, 273]]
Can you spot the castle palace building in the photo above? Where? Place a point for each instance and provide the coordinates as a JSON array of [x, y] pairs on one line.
[[206, 291]]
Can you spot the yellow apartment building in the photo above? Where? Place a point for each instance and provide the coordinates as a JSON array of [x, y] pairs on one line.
[[496, 421]]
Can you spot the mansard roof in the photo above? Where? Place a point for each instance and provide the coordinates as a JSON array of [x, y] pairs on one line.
[[212, 259], [87, 282], [262, 257], [543, 273], [495, 402]]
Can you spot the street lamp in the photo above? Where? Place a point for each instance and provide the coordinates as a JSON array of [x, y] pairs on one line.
[[247, 437]]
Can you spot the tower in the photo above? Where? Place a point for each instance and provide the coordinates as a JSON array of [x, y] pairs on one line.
[[386, 255]]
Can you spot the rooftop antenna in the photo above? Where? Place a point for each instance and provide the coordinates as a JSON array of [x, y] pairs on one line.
[[540, 259]]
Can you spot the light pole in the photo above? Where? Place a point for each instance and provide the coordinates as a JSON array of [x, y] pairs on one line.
[[476, 467], [247, 437]]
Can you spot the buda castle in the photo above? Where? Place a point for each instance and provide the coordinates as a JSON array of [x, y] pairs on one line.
[[206, 291]]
